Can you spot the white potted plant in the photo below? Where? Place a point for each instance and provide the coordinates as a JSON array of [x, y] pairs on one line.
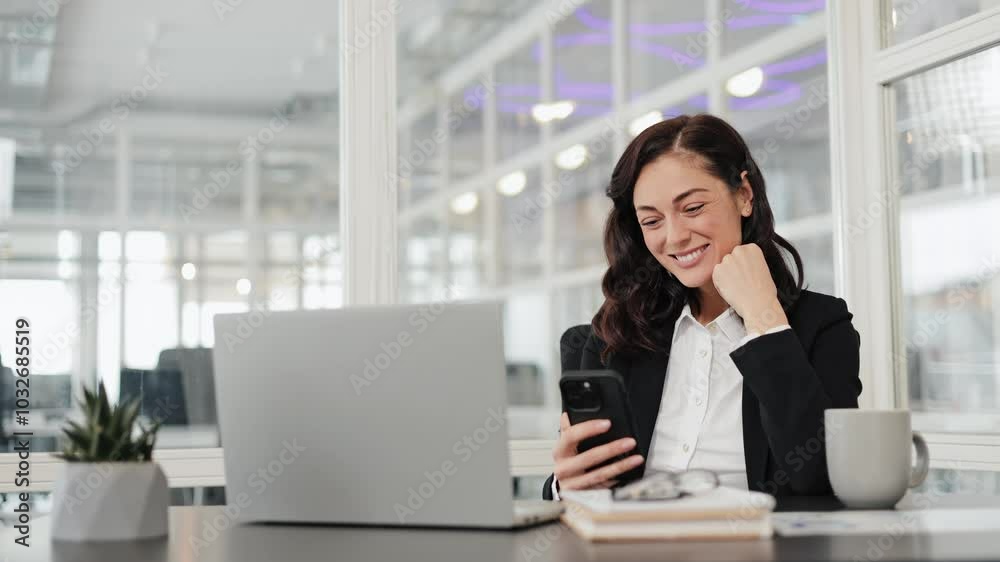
[[110, 488]]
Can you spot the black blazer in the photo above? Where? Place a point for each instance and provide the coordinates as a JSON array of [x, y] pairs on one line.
[[789, 379]]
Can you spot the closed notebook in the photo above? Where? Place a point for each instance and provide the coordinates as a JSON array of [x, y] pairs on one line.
[[723, 513]]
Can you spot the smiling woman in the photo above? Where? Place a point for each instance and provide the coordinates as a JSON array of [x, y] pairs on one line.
[[728, 362]]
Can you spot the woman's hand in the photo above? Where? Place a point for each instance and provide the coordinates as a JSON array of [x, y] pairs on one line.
[[574, 471], [744, 281]]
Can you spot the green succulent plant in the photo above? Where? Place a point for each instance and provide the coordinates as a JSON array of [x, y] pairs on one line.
[[108, 433]]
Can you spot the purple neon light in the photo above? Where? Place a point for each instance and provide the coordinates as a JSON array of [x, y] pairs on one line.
[[780, 13], [802, 7], [574, 39], [700, 101], [519, 90], [763, 20], [588, 19], [583, 90], [587, 39], [666, 52], [799, 64]]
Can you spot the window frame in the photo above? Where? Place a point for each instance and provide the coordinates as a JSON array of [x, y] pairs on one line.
[[867, 209]]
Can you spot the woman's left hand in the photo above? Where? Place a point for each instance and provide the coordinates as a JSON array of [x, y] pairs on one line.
[[744, 281]]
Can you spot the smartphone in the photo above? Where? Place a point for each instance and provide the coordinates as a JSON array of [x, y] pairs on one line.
[[592, 395]]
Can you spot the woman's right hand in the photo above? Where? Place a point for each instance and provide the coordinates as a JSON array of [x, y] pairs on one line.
[[574, 471]]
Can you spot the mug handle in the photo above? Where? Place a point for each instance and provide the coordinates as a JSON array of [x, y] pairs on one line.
[[919, 473]]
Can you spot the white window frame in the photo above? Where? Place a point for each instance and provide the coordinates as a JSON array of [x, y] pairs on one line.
[[865, 207]]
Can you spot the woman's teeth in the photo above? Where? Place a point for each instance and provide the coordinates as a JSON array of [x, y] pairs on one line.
[[690, 257]]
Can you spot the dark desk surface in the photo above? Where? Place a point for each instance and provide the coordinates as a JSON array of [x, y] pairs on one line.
[[285, 543]]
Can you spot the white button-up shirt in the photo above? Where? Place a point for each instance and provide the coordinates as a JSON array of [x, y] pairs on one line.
[[700, 423]]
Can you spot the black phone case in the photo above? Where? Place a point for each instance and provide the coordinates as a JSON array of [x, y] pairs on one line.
[[614, 407]]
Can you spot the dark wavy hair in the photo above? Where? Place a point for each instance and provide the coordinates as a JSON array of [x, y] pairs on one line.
[[641, 298]]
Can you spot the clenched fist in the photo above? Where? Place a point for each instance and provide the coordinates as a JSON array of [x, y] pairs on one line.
[[744, 281]]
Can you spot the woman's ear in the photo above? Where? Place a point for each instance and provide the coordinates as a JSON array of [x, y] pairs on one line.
[[744, 196]]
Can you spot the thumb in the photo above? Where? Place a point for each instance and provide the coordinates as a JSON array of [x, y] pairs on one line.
[[564, 422]]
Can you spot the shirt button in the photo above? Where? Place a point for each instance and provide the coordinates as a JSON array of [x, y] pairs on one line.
[[712, 329], [703, 352], [697, 402], [686, 448]]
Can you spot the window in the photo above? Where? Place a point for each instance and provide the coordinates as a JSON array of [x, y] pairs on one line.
[[181, 193], [665, 41], [581, 72], [785, 120], [519, 215], [908, 19], [518, 94], [948, 147]]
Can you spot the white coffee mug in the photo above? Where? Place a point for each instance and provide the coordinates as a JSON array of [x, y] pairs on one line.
[[869, 456]]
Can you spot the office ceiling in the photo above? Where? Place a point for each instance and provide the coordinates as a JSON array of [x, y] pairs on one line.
[[251, 59]]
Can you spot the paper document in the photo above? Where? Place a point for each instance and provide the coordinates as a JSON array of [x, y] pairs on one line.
[[876, 522]]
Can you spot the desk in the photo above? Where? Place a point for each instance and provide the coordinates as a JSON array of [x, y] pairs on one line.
[[552, 542]]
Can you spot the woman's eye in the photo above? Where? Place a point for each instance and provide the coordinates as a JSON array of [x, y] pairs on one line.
[[694, 208], [650, 222]]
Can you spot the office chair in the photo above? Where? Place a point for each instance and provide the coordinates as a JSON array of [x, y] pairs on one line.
[[6, 404], [160, 392], [524, 384], [52, 392], [571, 346], [197, 381]]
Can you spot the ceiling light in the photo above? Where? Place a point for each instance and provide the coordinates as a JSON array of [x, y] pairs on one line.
[[512, 184], [243, 286], [572, 158], [465, 203], [746, 83], [644, 121], [189, 271], [547, 112]]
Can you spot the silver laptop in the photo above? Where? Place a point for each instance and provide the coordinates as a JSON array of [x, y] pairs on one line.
[[369, 415]]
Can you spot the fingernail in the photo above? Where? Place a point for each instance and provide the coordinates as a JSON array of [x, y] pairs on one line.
[[605, 424], [635, 460], [627, 444]]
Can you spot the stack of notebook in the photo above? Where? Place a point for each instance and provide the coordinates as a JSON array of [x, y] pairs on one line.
[[723, 513]]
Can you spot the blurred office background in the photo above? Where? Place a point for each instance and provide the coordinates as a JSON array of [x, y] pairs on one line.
[[164, 162]]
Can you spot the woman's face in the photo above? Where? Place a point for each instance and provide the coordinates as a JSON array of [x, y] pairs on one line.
[[690, 219]]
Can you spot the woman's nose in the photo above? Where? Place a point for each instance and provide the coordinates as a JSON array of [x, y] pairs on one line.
[[677, 235]]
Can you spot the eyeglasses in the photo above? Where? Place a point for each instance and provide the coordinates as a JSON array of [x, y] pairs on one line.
[[668, 485]]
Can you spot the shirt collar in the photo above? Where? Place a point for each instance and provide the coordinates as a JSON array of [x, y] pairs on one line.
[[728, 322]]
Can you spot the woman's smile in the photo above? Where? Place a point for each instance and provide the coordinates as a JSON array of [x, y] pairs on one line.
[[691, 258]]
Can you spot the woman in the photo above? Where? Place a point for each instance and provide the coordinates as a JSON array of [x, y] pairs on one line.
[[728, 362]]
